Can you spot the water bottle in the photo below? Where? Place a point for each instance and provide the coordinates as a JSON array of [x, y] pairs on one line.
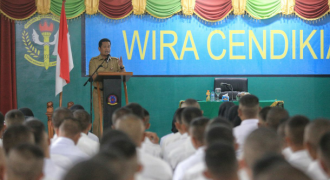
[[212, 96], [208, 95]]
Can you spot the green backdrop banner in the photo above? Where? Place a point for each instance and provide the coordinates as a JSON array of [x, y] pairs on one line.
[[261, 9]]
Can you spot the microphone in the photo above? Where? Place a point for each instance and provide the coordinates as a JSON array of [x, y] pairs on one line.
[[108, 58]]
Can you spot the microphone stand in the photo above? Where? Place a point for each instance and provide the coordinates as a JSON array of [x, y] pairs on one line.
[[90, 79]]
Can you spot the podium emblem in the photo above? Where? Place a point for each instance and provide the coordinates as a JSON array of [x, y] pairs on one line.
[[112, 100]]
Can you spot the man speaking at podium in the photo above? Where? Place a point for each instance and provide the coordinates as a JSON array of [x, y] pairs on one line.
[[110, 64]]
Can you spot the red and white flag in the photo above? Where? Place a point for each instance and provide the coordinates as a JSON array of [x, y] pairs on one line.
[[64, 62]]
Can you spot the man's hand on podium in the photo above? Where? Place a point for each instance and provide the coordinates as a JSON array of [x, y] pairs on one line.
[[120, 62]]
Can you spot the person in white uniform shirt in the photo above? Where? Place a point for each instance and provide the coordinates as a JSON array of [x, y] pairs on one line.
[[16, 134], [89, 134], [259, 143], [25, 162], [50, 170], [58, 116], [197, 129], [313, 133], [324, 153], [294, 132], [286, 151], [217, 131], [85, 143], [221, 162], [153, 168], [65, 145], [186, 149], [248, 112], [275, 116]]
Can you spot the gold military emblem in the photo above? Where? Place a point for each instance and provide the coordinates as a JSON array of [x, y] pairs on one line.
[[46, 31]]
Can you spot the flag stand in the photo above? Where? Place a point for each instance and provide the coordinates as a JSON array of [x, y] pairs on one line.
[[61, 99]]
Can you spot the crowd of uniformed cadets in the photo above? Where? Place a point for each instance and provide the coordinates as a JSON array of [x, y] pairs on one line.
[[245, 142]]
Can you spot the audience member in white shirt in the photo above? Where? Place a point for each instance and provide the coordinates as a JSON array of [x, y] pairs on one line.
[[324, 153], [58, 116], [286, 150], [50, 170], [15, 135], [14, 117], [313, 133], [197, 129], [65, 145], [259, 143], [248, 112], [2, 163], [294, 132], [262, 115], [275, 117], [25, 162], [186, 149], [86, 144], [221, 162], [153, 168]]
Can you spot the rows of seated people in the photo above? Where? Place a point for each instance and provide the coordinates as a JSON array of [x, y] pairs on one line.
[[245, 142]]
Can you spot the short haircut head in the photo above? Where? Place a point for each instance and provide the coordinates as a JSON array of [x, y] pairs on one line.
[[120, 112], [224, 109], [315, 130], [190, 103], [70, 127], [133, 126], [197, 128], [59, 115], [76, 107], [27, 112], [220, 160], [38, 130], [260, 142], [104, 40], [275, 116], [16, 134], [219, 134], [267, 162], [324, 149], [190, 113], [136, 109], [263, 113], [112, 134], [25, 161], [295, 129], [2, 121], [249, 105], [219, 121], [178, 114], [83, 117], [90, 170], [14, 117]]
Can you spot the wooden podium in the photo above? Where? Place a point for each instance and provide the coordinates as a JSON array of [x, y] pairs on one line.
[[112, 84]]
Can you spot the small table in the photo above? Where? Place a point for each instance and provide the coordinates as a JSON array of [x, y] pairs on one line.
[[211, 109]]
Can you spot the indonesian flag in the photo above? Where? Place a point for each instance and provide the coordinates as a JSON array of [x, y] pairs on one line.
[[64, 62]]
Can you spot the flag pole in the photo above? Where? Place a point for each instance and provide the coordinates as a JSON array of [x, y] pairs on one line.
[[61, 99]]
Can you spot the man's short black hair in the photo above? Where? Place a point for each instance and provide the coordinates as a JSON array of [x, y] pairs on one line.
[[111, 134], [120, 112], [249, 104], [91, 169], [190, 113], [14, 117], [178, 115], [220, 121], [124, 147], [59, 115], [263, 113], [137, 109], [295, 129], [146, 113], [27, 112], [219, 134], [324, 148], [83, 117], [38, 129], [276, 116], [16, 134], [220, 160], [224, 109], [266, 162], [198, 126], [104, 40], [76, 107]]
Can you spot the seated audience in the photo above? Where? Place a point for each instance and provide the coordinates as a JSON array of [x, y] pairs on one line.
[[76, 107], [2, 127], [69, 133], [248, 112], [27, 112], [287, 152], [25, 162], [233, 116], [262, 115], [85, 143], [186, 149], [196, 131], [50, 170], [224, 108], [294, 132], [324, 153], [2, 163], [58, 116], [153, 168], [14, 117], [16, 134], [313, 133], [221, 162], [120, 112], [275, 116]]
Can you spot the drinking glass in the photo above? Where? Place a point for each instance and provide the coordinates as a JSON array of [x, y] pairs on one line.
[[218, 92]]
